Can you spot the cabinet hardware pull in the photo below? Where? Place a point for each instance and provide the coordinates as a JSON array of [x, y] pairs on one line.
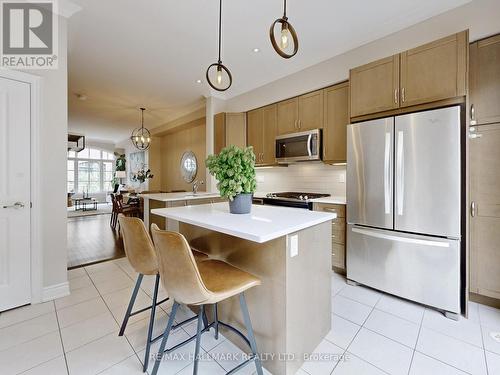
[[475, 135], [472, 115], [403, 94], [396, 96], [329, 209], [473, 209]]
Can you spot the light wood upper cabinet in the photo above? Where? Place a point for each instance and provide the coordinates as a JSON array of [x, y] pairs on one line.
[[336, 115], [270, 131], [427, 74], [434, 71], [288, 114], [310, 111], [485, 220], [219, 132], [375, 86], [485, 81], [255, 132], [261, 133], [236, 129], [229, 129]]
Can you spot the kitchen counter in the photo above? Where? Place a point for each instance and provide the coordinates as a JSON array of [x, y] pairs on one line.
[[263, 224], [172, 197], [161, 200], [290, 250]]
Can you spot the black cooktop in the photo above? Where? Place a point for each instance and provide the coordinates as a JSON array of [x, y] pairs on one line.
[[293, 195]]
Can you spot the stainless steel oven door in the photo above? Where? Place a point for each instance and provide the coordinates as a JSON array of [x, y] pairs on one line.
[[301, 146]]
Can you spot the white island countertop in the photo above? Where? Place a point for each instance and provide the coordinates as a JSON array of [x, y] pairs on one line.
[[170, 197], [264, 223]]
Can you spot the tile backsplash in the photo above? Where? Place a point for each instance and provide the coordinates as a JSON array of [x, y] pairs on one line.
[[309, 177]]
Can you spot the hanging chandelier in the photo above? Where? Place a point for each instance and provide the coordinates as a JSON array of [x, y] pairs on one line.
[[287, 37], [141, 137], [218, 76]]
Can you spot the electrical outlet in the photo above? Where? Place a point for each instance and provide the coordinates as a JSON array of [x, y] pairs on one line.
[[294, 245], [342, 178], [260, 178]]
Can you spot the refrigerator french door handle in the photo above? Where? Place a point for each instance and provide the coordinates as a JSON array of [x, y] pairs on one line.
[[416, 241], [400, 172], [309, 145], [387, 175]]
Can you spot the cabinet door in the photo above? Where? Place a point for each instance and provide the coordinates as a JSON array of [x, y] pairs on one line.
[[288, 113], [236, 129], [374, 87], [255, 132], [336, 115], [311, 111], [270, 114], [434, 71], [485, 80], [219, 132], [485, 220]]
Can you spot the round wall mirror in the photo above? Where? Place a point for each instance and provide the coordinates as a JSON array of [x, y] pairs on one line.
[[189, 166]]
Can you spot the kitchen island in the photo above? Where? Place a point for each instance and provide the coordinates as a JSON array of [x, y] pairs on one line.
[[161, 200], [290, 250]]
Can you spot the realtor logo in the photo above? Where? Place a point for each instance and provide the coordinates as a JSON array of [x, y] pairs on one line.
[[29, 34]]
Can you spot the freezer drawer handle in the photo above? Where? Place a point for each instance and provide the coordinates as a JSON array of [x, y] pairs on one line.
[[400, 172], [384, 236]]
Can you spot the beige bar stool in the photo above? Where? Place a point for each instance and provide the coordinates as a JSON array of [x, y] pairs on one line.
[[201, 283], [141, 255]]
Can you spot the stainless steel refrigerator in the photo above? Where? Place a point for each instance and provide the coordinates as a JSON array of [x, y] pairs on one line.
[[403, 206]]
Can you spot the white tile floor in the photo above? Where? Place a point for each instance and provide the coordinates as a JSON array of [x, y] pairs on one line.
[[372, 333]]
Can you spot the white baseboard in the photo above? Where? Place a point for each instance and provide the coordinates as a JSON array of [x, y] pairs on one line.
[[52, 292]]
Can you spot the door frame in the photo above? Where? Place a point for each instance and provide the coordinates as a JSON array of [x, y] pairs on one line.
[[36, 253]]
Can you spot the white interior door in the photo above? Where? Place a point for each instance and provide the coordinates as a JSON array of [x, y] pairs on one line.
[[15, 270]]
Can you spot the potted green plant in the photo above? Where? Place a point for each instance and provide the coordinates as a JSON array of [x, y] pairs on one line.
[[234, 169]]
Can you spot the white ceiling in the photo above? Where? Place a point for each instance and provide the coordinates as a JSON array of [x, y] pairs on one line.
[[124, 54]]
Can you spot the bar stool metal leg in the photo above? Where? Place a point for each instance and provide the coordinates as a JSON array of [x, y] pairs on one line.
[[131, 304], [216, 321], [201, 318], [151, 323], [251, 336], [161, 351]]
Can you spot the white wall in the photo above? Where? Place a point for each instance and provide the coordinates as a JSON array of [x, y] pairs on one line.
[[53, 156], [303, 177], [481, 17]]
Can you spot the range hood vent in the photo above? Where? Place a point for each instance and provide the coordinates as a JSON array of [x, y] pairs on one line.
[[76, 142]]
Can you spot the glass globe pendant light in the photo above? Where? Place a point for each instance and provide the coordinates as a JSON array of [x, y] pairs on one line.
[[287, 36], [218, 76], [141, 137]]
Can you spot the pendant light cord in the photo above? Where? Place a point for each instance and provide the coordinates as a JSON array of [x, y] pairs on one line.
[[284, 9], [220, 27], [142, 118]]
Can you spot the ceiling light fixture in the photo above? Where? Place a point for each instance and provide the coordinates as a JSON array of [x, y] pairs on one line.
[[222, 77], [287, 36], [256, 50], [198, 81], [141, 137]]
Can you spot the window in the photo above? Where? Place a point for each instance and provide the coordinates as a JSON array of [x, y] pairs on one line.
[[90, 171]]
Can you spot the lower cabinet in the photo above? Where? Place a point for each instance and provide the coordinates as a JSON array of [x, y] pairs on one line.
[[338, 232]]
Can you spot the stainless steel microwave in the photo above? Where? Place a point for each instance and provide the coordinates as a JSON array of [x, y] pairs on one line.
[[303, 146]]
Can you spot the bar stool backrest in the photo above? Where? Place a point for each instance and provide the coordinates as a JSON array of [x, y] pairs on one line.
[[138, 245], [178, 270]]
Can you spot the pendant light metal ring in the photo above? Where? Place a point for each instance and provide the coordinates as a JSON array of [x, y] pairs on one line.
[[222, 66], [284, 21]]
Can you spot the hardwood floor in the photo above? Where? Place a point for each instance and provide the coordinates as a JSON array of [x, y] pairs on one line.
[[91, 240]]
